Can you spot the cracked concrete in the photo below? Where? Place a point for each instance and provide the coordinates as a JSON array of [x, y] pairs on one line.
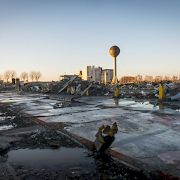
[[146, 133]]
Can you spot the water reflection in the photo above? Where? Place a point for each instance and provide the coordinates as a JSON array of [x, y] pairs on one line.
[[161, 105], [48, 158], [116, 101]]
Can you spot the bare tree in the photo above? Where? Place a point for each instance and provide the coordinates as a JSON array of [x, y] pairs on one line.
[[1, 76], [37, 75], [13, 74], [7, 75], [32, 75], [24, 76]]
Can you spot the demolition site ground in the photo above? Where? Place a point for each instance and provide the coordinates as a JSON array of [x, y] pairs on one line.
[[39, 139]]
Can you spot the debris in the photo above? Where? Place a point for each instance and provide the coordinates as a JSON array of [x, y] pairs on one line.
[[105, 137], [176, 97]]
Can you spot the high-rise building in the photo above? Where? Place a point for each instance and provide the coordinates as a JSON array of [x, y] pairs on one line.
[[92, 73], [97, 74], [107, 76]]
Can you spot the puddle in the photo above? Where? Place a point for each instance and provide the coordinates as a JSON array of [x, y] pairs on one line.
[[51, 159], [167, 108], [129, 103], [69, 163], [144, 105]]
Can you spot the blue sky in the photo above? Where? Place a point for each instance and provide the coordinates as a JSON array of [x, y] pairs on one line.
[[64, 36]]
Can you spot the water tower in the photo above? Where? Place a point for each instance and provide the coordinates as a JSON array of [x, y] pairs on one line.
[[114, 52]]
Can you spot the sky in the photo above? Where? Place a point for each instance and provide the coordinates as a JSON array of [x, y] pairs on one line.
[[64, 36]]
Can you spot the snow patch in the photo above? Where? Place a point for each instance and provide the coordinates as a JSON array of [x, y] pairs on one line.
[[5, 127]]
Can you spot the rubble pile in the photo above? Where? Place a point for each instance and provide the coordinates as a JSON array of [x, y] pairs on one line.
[[79, 87], [6, 87], [76, 87], [140, 90], [35, 87], [150, 90], [173, 92]]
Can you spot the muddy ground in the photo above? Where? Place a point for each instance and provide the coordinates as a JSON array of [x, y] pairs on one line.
[[32, 150]]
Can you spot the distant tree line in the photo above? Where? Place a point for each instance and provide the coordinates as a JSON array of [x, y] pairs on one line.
[[24, 76]]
